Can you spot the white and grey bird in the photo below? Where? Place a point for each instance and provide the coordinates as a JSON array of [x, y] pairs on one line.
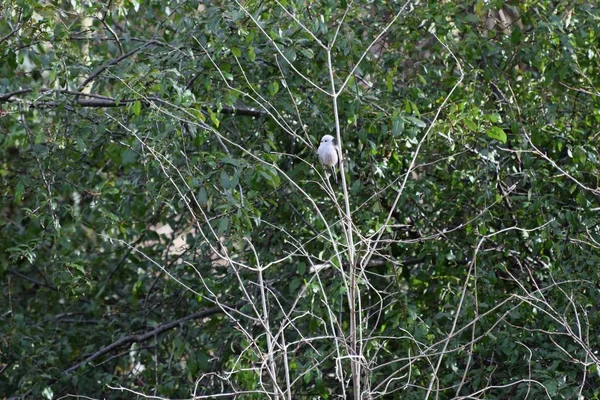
[[328, 153]]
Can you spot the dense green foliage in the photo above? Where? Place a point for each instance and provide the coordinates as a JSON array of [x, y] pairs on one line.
[[469, 132]]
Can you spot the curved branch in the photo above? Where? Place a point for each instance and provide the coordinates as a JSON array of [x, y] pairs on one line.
[[15, 30], [138, 338], [32, 280], [113, 62]]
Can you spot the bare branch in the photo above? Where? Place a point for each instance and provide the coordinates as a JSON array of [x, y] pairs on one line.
[[138, 338]]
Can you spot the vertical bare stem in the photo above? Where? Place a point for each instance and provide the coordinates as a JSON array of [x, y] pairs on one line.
[[354, 360], [265, 321]]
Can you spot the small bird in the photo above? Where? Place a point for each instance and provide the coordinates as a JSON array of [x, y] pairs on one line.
[[328, 153]]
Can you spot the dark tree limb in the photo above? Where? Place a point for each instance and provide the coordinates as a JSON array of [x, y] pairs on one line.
[[113, 62], [138, 338], [98, 101], [15, 30], [28, 279]]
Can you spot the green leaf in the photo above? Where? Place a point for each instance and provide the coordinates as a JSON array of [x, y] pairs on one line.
[[494, 117], [128, 156], [197, 113], [225, 180], [202, 196], [232, 161], [416, 121], [497, 133], [214, 119], [308, 53], [271, 176], [223, 225], [137, 107], [472, 18], [301, 268], [295, 284], [19, 191], [77, 266], [290, 55], [236, 52], [411, 108], [273, 88], [470, 125], [251, 54], [397, 126], [178, 347]]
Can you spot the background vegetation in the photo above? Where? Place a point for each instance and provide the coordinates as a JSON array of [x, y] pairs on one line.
[[167, 231]]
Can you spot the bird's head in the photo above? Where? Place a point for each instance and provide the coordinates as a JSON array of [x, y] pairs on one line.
[[328, 139]]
